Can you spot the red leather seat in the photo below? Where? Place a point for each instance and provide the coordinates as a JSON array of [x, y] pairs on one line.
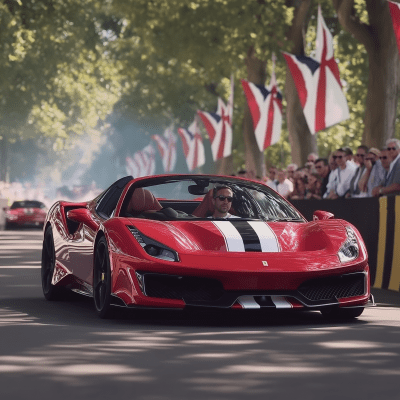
[[206, 207], [143, 200]]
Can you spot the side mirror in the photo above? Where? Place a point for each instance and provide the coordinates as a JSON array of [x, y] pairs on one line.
[[82, 215], [320, 215]]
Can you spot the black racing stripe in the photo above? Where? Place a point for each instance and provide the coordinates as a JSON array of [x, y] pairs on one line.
[[390, 223], [264, 301], [250, 238]]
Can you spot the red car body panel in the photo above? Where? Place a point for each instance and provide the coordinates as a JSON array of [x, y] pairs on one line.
[[305, 252]]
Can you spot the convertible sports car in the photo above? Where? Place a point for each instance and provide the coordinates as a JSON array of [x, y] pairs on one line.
[[150, 243]]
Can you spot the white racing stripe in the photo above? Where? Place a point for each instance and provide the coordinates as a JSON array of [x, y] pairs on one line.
[[248, 302], [233, 240], [280, 302], [268, 240]]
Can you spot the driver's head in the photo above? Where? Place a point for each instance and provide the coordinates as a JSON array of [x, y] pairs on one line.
[[222, 200]]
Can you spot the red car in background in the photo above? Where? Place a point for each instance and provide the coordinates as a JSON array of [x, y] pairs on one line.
[[25, 213]]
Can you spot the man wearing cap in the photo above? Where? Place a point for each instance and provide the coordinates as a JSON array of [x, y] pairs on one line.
[[391, 183], [374, 171]]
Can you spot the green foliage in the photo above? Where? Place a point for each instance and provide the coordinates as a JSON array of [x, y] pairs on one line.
[[179, 56], [64, 64], [56, 79]]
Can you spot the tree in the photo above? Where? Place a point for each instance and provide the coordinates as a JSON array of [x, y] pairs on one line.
[[56, 80], [371, 25], [206, 41]]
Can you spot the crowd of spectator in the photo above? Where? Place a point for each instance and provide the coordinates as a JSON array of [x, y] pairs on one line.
[[366, 173]]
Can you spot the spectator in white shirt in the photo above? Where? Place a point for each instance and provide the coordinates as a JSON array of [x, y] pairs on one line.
[[341, 176], [282, 185]]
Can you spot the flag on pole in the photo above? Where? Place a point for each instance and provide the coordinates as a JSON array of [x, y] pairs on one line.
[[318, 82], [219, 129], [142, 163], [167, 147], [265, 104], [131, 167], [394, 9], [230, 101], [148, 155], [193, 147]]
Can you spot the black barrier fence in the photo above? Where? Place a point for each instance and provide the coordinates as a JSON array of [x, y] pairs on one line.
[[363, 213]]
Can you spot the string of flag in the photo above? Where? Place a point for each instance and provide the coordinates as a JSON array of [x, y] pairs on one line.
[[318, 85]]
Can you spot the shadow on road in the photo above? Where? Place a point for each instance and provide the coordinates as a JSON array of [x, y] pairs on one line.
[[63, 348]]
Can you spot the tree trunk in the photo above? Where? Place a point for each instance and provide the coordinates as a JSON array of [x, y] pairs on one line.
[[383, 85], [302, 142], [3, 159], [384, 67], [254, 158], [224, 166]]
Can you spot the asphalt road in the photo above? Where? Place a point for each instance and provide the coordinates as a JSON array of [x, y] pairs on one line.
[[62, 350]]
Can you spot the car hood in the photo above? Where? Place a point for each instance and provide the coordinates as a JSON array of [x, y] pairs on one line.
[[236, 235]]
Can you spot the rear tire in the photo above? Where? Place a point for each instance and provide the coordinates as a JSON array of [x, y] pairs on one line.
[[102, 280], [50, 291], [341, 313]]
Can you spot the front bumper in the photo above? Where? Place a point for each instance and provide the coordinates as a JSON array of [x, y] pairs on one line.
[[238, 283], [203, 292]]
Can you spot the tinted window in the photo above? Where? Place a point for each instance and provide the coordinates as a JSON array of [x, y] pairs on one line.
[[27, 204], [108, 201]]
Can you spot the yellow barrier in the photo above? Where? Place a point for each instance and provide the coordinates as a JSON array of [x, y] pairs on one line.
[[388, 259]]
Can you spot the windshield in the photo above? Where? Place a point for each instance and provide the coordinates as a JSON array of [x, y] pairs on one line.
[[250, 200]]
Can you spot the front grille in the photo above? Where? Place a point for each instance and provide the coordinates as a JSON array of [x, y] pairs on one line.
[[190, 289], [334, 287]]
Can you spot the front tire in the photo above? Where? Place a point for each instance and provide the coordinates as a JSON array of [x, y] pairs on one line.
[[102, 280], [341, 313], [50, 291]]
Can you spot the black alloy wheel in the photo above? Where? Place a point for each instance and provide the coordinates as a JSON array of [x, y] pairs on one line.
[[102, 280], [50, 291], [341, 313]]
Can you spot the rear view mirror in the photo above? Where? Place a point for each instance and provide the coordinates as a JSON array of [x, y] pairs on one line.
[[197, 190]]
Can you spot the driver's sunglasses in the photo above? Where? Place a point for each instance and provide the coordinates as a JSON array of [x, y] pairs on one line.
[[222, 198]]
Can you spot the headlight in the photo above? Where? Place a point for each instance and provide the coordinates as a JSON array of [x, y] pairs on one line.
[[350, 249], [153, 248]]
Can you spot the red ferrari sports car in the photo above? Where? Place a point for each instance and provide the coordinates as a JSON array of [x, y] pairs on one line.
[[25, 213], [150, 242]]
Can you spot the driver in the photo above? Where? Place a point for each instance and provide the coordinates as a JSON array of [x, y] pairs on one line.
[[222, 201]]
